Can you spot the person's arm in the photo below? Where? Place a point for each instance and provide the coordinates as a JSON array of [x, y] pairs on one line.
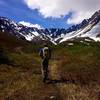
[[49, 53]]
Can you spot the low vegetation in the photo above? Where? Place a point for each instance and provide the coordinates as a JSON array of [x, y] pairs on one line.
[[74, 71]]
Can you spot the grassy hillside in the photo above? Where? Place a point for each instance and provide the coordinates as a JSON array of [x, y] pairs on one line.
[[74, 71], [80, 61], [77, 69]]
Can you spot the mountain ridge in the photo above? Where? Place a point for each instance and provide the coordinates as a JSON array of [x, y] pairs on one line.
[[87, 28]]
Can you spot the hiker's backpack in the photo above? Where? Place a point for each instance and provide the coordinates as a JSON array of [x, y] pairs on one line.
[[46, 52]]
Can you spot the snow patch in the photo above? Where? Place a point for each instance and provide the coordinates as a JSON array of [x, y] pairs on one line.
[[30, 24]]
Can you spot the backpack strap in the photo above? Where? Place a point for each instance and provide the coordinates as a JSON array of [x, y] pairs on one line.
[[46, 52]]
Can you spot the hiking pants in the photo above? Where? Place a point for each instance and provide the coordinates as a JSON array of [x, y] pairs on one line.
[[44, 68]]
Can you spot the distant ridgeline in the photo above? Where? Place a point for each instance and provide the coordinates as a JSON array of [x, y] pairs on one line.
[[88, 28]]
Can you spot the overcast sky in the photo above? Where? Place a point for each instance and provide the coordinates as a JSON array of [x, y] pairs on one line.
[[48, 13]]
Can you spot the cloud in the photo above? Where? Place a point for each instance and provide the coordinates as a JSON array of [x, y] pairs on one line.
[[82, 9], [30, 24], [77, 17]]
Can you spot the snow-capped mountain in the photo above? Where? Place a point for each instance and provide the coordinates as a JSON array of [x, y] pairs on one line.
[[89, 29], [24, 32]]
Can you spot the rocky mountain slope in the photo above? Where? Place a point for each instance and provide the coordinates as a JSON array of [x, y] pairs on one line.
[[88, 28]]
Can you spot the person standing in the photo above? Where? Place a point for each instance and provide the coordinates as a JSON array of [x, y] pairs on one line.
[[45, 54]]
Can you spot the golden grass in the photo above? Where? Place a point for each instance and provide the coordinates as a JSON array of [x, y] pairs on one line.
[[76, 74]]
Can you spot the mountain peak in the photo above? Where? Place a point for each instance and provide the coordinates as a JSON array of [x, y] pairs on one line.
[[87, 28], [95, 17]]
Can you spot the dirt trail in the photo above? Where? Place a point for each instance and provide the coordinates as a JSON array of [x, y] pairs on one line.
[[54, 70]]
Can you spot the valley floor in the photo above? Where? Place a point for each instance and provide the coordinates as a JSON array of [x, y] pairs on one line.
[[74, 72], [26, 84]]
